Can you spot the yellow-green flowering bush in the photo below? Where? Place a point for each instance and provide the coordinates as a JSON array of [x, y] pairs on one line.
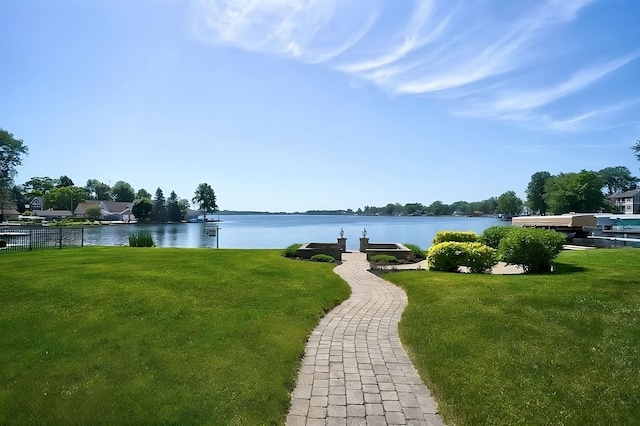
[[449, 256], [459, 236]]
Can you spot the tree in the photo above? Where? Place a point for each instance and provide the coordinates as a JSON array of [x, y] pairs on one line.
[[38, 186], [535, 192], [141, 209], [636, 150], [438, 208], [574, 192], [159, 211], [205, 199], [11, 151], [618, 179], [122, 191], [17, 194], [143, 193], [97, 190], [64, 197], [412, 208], [64, 180], [461, 207], [509, 204], [184, 205], [173, 208], [93, 212]]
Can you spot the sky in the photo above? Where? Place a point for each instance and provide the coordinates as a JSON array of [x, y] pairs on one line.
[[295, 105]]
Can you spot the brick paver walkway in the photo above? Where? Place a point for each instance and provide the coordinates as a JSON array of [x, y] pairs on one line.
[[355, 371]]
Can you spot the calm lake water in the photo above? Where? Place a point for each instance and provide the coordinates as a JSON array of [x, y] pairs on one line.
[[278, 231]]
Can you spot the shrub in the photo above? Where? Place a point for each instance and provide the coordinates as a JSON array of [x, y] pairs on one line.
[[418, 253], [459, 236], [322, 258], [447, 256], [292, 250], [383, 259], [480, 258], [451, 255], [141, 238], [532, 249], [494, 234]]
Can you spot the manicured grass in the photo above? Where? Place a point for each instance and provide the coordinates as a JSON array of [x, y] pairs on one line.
[[149, 335], [561, 348]]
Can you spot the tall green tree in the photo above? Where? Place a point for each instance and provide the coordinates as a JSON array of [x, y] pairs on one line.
[[205, 198], [11, 152], [509, 204], [159, 211], [173, 208], [122, 191], [97, 190], [143, 193], [141, 209], [184, 205], [618, 179], [636, 150], [64, 180], [17, 193], [38, 186], [64, 197], [535, 192], [575, 192]]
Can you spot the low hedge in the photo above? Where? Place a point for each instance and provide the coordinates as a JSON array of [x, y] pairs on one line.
[[449, 256], [459, 236], [383, 259], [532, 249], [322, 258], [494, 234]]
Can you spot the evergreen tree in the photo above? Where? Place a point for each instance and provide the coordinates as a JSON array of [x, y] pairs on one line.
[[159, 210], [173, 208]]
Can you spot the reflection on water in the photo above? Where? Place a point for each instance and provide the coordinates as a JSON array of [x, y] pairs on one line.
[[278, 231]]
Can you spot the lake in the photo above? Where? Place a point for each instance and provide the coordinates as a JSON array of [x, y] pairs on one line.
[[279, 231]]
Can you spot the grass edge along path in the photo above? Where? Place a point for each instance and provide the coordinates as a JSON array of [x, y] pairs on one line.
[[121, 334], [561, 348]]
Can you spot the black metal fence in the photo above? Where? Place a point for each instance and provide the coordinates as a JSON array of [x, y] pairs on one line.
[[23, 238]]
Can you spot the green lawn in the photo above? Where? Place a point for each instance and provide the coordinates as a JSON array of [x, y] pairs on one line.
[[155, 335], [561, 348]]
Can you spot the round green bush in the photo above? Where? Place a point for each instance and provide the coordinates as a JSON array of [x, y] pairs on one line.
[[480, 258], [383, 259], [494, 234], [451, 255], [322, 258], [459, 236], [446, 257], [532, 249]]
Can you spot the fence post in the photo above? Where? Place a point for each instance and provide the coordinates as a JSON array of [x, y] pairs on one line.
[[30, 239], [60, 237], [82, 237]]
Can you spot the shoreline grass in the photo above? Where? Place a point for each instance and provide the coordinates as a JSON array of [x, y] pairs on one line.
[[116, 334], [561, 348]]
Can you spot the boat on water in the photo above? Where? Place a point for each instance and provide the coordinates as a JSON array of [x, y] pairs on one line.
[[584, 226]]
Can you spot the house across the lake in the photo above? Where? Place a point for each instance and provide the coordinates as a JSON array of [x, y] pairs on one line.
[[110, 210], [627, 202]]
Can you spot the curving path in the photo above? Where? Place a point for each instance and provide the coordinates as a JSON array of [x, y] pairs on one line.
[[355, 371]]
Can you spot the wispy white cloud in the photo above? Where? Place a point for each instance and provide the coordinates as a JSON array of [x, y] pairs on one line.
[[489, 59], [307, 30]]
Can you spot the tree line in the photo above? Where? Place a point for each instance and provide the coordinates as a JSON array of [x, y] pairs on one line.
[[584, 191], [63, 194]]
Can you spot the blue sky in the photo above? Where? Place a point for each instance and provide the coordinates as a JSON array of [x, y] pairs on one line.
[[291, 105]]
